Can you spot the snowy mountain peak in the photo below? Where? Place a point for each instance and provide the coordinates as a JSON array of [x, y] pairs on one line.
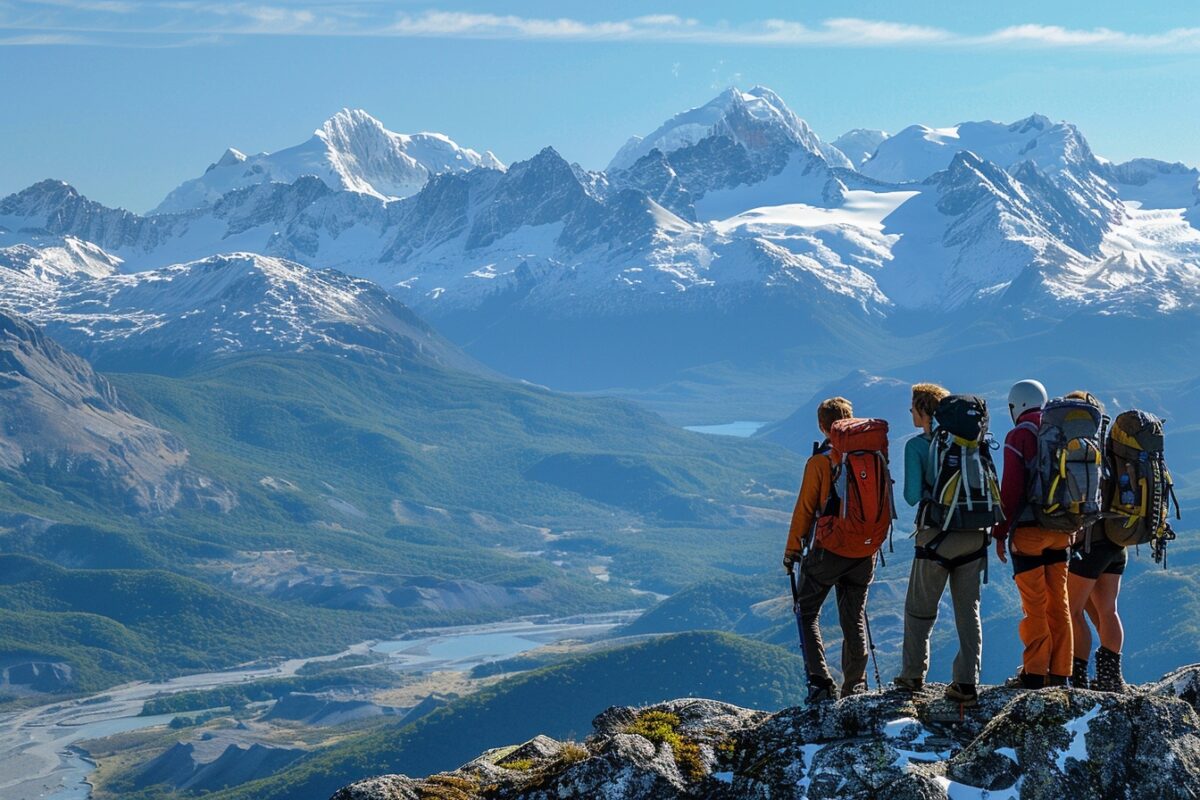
[[43, 259], [918, 151], [349, 123], [1034, 122], [34, 200], [771, 123], [351, 151], [165, 319], [859, 144], [229, 158]]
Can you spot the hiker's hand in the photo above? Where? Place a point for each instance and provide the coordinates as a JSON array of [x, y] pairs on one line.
[[789, 562], [1001, 553]]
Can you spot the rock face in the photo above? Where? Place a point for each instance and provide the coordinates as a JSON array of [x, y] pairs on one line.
[[183, 767], [1053, 743], [62, 424]]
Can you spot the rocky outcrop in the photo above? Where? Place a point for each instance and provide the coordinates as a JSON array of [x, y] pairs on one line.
[[183, 766], [889, 745], [324, 709], [63, 425], [34, 675]]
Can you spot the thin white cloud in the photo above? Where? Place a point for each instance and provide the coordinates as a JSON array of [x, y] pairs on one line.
[[41, 39], [104, 6], [209, 18], [1057, 36]]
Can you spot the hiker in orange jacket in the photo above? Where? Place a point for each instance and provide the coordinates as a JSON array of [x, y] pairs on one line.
[[1039, 554], [822, 570]]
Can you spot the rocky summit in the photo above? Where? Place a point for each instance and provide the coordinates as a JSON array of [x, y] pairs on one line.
[[1037, 745]]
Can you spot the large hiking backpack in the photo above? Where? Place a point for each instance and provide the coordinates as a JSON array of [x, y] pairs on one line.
[[1065, 477], [858, 513], [1138, 490], [966, 491]]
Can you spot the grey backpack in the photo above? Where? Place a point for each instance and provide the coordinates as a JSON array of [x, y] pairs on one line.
[[1065, 477]]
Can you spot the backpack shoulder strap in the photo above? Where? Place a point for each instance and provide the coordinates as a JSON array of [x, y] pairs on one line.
[[1023, 426]]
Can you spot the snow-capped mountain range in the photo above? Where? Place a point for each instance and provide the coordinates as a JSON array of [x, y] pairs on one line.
[[721, 209], [176, 316], [352, 151]]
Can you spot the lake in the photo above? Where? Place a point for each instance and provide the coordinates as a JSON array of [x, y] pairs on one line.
[[741, 428]]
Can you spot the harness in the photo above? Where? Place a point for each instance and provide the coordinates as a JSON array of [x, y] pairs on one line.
[[1024, 563], [930, 552]]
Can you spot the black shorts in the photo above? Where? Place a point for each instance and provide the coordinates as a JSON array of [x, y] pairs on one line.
[[1105, 558]]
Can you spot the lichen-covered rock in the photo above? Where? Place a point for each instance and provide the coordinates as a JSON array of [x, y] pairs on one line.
[[1078, 744], [386, 787], [1052, 743], [1183, 683]]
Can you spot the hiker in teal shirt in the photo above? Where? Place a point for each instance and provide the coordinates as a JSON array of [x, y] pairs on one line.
[[917, 471], [931, 571]]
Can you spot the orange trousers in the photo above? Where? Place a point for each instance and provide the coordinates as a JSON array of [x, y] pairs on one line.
[[1039, 559]]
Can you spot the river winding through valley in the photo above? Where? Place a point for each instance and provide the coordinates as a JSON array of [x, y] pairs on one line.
[[37, 761]]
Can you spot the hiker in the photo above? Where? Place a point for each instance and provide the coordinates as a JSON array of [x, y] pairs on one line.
[[949, 476], [1093, 582], [1051, 482], [832, 545], [1137, 495]]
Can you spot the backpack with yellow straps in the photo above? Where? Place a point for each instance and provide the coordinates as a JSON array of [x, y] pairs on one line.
[[965, 493], [1138, 489], [1065, 477]]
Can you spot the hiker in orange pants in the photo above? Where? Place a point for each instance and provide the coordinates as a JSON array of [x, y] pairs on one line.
[[1040, 565], [1039, 555]]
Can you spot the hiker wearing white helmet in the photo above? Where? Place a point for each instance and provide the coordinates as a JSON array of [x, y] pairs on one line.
[[1025, 396], [1039, 554]]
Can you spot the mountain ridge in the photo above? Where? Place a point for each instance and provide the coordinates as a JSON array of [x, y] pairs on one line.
[[351, 150], [889, 744]]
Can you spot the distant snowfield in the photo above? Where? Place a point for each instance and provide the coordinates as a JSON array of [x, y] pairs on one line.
[[862, 209], [1158, 231]]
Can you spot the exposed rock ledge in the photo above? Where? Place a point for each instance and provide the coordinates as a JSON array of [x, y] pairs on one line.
[[1043, 745]]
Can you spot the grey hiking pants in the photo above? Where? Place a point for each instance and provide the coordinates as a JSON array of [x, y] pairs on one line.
[[850, 577], [926, 583]]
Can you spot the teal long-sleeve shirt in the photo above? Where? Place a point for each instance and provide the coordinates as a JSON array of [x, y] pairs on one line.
[[917, 477]]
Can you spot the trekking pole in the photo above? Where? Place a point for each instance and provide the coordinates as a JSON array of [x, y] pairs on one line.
[[871, 645], [796, 611]]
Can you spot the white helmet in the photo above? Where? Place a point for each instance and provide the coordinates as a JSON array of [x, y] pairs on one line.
[[1026, 395]]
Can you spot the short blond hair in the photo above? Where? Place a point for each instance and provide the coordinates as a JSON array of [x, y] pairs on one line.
[[926, 396], [833, 409]]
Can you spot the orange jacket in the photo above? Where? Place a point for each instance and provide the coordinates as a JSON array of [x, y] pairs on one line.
[[814, 491]]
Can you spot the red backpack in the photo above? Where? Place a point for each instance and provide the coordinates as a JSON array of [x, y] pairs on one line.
[[859, 511]]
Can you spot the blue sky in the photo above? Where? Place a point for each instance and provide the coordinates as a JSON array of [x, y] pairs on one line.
[[125, 99]]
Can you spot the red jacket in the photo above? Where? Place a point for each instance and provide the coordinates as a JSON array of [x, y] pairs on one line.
[[1020, 448]]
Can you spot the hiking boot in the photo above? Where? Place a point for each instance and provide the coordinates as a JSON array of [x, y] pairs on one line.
[[858, 688], [819, 693], [1023, 680], [910, 685], [1056, 680], [1108, 672], [965, 694], [1079, 674]]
